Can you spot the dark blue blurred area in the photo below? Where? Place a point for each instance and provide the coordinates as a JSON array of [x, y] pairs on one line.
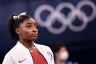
[[82, 44]]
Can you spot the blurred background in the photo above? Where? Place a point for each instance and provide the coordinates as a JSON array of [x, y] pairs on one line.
[[69, 21]]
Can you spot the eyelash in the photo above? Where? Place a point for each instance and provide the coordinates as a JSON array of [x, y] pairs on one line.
[[36, 26], [31, 26], [28, 26]]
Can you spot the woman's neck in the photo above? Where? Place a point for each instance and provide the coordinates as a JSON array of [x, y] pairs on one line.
[[28, 44]]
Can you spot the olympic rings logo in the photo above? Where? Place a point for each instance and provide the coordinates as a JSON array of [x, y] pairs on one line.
[[55, 14]]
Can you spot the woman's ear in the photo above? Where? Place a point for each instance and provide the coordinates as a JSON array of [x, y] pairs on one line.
[[18, 31]]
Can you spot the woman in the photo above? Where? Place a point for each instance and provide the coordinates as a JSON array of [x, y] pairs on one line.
[[24, 29], [61, 53]]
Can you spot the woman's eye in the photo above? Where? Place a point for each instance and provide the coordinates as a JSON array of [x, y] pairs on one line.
[[29, 26], [36, 26]]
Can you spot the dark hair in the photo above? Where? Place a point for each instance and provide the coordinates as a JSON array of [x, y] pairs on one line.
[[14, 23], [58, 46]]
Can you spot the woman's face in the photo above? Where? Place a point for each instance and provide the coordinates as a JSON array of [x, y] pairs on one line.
[[61, 56], [28, 30]]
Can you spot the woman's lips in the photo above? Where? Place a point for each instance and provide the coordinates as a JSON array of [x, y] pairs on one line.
[[34, 35]]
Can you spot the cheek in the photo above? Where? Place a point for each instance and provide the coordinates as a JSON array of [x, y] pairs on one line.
[[25, 33], [56, 55]]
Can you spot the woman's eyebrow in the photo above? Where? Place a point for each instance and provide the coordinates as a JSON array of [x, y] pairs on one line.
[[29, 23], [32, 23]]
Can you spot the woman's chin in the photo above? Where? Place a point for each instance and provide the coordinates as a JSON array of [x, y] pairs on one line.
[[34, 38]]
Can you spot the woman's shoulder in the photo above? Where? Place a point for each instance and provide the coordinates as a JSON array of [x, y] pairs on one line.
[[11, 51]]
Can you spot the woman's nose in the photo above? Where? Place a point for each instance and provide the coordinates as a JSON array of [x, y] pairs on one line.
[[34, 30]]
